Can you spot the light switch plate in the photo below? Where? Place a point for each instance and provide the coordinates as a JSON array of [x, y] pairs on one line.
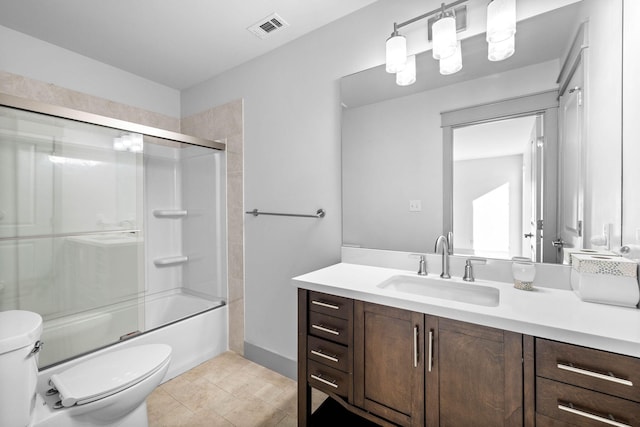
[[415, 206]]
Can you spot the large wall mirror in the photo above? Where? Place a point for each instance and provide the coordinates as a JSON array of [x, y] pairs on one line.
[[520, 157]]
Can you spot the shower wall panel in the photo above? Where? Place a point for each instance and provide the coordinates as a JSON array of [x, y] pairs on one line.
[[163, 236], [204, 228], [185, 219]]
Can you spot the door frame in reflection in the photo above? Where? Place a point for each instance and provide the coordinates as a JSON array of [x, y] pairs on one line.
[[544, 104]]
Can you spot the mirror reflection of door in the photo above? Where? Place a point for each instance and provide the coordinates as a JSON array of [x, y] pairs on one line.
[[497, 188], [570, 172], [533, 175]]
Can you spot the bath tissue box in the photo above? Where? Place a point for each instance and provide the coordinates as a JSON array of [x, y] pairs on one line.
[[567, 252], [605, 279]]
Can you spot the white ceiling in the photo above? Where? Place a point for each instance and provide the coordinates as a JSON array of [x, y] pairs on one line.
[[499, 138], [177, 43]]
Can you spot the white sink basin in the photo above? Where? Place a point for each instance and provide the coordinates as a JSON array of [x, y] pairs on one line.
[[449, 289]]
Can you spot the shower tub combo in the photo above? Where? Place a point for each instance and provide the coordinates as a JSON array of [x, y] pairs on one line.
[[113, 232]]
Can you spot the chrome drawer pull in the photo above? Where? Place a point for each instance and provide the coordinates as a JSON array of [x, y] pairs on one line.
[[415, 346], [324, 304], [325, 329], [430, 356], [569, 367], [326, 356], [322, 380], [607, 420]]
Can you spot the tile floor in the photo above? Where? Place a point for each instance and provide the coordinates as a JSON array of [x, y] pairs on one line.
[[227, 390]]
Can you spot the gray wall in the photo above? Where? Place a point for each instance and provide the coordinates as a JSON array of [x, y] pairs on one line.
[[292, 159], [29, 57]]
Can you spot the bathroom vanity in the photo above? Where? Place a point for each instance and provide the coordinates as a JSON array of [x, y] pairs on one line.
[[397, 357]]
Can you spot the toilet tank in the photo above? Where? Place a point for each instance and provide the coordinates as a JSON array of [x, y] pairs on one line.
[[19, 332]]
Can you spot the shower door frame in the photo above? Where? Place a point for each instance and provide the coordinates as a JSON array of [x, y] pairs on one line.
[[96, 119]]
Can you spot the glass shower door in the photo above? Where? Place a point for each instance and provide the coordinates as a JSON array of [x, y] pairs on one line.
[[71, 240]]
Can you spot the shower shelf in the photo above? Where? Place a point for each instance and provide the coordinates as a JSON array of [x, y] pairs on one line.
[[174, 260], [169, 213]]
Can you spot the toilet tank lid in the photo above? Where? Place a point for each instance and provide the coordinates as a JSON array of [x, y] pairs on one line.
[[18, 329], [109, 373]]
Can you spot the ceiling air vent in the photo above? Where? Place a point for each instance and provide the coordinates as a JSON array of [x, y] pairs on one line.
[[268, 25]]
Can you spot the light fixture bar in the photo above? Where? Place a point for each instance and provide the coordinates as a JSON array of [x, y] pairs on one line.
[[428, 14]]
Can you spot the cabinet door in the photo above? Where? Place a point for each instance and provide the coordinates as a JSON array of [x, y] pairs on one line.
[[480, 375], [389, 363]]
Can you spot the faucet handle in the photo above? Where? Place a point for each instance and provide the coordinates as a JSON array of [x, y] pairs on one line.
[[422, 268], [468, 268]]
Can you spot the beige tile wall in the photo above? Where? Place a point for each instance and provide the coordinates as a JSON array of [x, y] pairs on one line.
[[223, 123], [13, 84]]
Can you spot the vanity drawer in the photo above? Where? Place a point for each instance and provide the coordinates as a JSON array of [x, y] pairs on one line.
[[593, 369], [329, 327], [328, 353], [330, 304], [328, 379], [577, 406]]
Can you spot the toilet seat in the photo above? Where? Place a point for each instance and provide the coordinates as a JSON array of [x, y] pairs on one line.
[[109, 373]]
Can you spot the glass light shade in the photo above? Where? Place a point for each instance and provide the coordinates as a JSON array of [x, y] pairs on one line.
[[453, 63], [396, 53], [444, 36], [501, 20], [502, 50], [407, 76]]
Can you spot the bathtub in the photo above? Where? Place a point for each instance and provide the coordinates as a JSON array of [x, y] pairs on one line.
[[174, 305], [182, 330]]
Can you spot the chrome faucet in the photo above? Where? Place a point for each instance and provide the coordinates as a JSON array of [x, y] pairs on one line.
[[442, 242]]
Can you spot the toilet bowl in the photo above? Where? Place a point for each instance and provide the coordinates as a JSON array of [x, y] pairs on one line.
[[106, 390]]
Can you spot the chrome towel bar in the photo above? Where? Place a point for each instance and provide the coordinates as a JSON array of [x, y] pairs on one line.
[[319, 214]]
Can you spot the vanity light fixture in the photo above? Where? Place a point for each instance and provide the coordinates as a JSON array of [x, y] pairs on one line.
[[501, 29], [453, 63], [396, 51], [445, 44], [445, 41], [502, 50], [407, 76]]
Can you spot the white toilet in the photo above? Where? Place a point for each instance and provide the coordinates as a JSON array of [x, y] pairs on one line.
[[106, 390]]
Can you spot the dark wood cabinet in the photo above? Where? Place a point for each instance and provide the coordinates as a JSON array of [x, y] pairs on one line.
[[325, 348], [389, 363], [578, 386], [397, 367], [563, 404], [480, 375]]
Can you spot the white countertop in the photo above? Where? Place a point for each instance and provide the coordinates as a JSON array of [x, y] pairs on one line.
[[544, 312]]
